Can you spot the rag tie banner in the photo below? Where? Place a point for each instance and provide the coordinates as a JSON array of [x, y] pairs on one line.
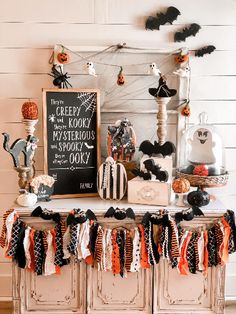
[[120, 250]]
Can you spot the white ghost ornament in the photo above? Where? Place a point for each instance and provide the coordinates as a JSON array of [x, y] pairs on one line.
[[90, 68], [154, 70]]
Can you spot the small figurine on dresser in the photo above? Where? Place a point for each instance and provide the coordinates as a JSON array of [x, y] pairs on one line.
[[152, 182], [202, 159], [22, 152]]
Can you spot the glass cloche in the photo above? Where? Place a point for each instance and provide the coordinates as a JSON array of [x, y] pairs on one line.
[[202, 159]]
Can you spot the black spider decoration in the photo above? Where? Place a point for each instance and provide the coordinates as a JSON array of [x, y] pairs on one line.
[[60, 79]]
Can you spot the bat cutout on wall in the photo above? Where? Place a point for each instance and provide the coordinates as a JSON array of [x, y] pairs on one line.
[[154, 22], [204, 50], [147, 148], [192, 30]]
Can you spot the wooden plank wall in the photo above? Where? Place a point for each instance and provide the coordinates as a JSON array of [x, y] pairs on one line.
[[30, 29]]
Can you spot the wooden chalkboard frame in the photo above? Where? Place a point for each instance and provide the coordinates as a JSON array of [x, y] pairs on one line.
[[98, 133]]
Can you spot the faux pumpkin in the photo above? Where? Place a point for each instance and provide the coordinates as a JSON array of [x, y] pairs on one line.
[[120, 78], [186, 110], [29, 110], [198, 198], [26, 199], [181, 58], [63, 57], [201, 170], [180, 185]]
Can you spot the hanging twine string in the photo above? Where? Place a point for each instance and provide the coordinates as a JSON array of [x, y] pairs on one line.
[[116, 48]]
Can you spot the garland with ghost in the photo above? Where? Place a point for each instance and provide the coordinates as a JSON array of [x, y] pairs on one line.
[[120, 250]]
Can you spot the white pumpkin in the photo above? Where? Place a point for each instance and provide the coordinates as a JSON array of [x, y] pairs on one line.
[[27, 199]]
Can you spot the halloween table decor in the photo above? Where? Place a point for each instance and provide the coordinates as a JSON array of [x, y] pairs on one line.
[[111, 180], [198, 198], [205, 50], [180, 186], [191, 30], [26, 199], [121, 140], [154, 22], [59, 78], [202, 159], [29, 112], [42, 186]]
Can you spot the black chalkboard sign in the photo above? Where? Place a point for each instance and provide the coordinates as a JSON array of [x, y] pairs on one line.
[[72, 140]]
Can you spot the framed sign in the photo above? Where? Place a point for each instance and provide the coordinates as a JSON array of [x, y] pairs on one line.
[[71, 127]]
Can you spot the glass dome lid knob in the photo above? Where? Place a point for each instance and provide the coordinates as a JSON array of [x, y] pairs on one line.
[[203, 118]]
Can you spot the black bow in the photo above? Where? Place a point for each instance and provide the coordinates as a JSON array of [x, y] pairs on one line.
[[188, 214], [119, 213], [46, 214], [79, 216]]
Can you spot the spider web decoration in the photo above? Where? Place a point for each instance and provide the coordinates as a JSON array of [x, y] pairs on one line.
[[88, 101]]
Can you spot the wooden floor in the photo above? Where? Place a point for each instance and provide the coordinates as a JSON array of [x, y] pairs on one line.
[[6, 308]]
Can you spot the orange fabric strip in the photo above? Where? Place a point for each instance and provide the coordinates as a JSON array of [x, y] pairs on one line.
[[224, 248]]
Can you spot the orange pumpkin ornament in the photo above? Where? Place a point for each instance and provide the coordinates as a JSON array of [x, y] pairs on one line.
[[29, 110], [181, 185], [120, 78], [186, 110], [181, 58], [63, 57]]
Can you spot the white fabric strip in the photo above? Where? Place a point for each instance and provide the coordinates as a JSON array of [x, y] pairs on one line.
[[108, 249], [85, 252], [66, 242], [9, 225], [26, 244], [50, 268], [200, 245], [135, 265]]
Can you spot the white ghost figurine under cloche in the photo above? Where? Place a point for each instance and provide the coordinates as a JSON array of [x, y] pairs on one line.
[[154, 70], [90, 68], [202, 146]]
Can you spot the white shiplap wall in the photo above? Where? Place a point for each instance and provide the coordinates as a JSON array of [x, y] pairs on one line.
[[29, 30]]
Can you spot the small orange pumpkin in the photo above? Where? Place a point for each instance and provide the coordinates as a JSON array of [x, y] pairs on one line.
[[120, 78], [181, 58], [180, 185], [63, 57], [186, 110], [29, 110]]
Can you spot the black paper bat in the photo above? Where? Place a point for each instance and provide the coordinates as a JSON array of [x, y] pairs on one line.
[[188, 214], [161, 175], [154, 22], [192, 30], [120, 213], [46, 214], [80, 217], [204, 50], [142, 174], [146, 147]]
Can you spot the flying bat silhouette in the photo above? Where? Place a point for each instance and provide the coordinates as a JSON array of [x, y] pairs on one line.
[[154, 22], [204, 50], [192, 30]]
